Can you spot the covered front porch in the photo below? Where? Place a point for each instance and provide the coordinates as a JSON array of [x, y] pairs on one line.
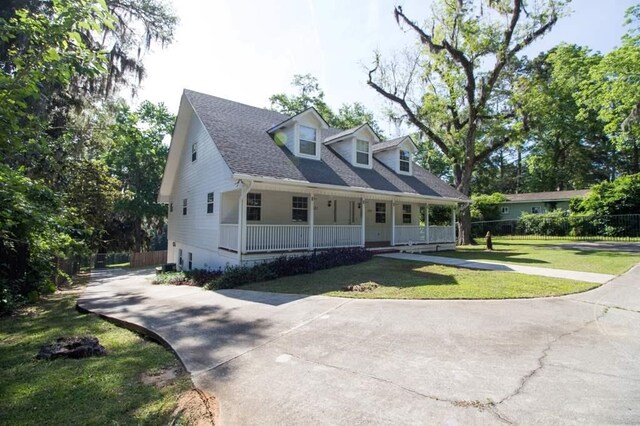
[[264, 218]]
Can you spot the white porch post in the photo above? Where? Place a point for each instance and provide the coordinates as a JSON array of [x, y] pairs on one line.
[[453, 222], [426, 221], [362, 217], [393, 223], [241, 209], [311, 219]]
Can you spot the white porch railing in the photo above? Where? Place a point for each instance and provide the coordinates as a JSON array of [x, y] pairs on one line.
[[405, 234], [277, 237], [325, 236], [296, 237], [228, 237], [441, 234]]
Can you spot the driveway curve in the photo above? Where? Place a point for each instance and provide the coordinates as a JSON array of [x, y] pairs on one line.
[[290, 359]]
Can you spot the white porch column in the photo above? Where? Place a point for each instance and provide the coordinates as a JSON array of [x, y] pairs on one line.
[[393, 223], [241, 209], [362, 220], [453, 222], [426, 221], [312, 200]]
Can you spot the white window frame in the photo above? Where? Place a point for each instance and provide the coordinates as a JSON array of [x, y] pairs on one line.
[[314, 142], [210, 202], [304, 207], [190, 260], [185, 205], [407, 161], [382, 211], [257, 196], [406, 214], [536, 209], [194, 151], [358, 151], [504, 210], [180, 260]]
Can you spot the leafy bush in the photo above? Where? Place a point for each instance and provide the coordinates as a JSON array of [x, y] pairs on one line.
[[622, 196], [486, 207], [555, 223], [197, 277], [235, 276]]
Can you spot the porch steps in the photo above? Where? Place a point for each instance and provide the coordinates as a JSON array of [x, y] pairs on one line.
[[382, 250]]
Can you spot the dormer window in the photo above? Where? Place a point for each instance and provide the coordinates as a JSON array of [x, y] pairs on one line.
[[362, 152], [308, 140], [405, 161]]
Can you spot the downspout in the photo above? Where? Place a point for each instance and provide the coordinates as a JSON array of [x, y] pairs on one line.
[[242, 214]]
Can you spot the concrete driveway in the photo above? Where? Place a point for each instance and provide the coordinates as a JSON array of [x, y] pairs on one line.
[[285, 359]]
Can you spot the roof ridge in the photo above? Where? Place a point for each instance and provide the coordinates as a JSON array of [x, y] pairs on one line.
[[237, 103]]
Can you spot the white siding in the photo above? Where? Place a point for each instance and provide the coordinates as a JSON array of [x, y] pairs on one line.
[[198, 230], [389, 158], [287, 137], [344, 149]]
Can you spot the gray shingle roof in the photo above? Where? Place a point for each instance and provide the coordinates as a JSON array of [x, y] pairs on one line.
[[381, 146], [240, 133], [546, 196], [343, 133]]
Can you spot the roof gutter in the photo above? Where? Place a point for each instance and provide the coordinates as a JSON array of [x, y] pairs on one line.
[[291, 182]]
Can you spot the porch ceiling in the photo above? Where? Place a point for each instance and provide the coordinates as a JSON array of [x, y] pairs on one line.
[[352, 193]]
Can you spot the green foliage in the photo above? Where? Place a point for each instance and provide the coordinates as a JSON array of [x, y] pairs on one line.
[[486, 207], [311, 95], [555, 223], [136, 156], [235, 276], [622, 196], [57, 191]]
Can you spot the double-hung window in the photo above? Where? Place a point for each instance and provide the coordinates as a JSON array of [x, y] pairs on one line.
[[381, 213], [184, 207], [406, 213], [254, 206], [362, 152], [180, 259], [194, 151], [190, 261], [300, 209], [405, 161], [308, 140], [210, 202]]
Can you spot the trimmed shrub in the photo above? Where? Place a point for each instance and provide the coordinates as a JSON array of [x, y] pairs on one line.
[[235, 276]]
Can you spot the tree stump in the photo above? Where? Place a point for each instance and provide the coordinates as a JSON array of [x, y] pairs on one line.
[[488, 240], [72, 347]]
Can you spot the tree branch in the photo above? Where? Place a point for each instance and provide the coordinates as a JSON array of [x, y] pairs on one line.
[[405, 107]]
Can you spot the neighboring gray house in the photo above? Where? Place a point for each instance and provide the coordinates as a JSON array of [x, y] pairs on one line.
[[537, 202], [245, 184]]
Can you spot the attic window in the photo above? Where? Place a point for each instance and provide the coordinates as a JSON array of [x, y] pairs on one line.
[[362, 152], [308, 141], [405, 161]]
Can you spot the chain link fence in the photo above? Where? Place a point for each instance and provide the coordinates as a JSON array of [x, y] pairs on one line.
[[565, 226]]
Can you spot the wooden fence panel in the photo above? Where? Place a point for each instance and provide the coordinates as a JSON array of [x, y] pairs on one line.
[[148, 258]]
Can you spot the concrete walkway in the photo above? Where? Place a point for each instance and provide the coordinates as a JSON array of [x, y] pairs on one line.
[[591, 277], [296, 360]]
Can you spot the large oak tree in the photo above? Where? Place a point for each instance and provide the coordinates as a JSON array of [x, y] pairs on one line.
[[455, 88]]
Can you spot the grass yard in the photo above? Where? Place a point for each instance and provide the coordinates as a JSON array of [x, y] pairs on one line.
[[548, 254], [400, 279], [104, 390]]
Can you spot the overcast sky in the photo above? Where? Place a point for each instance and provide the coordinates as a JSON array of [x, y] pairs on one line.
[[247, 50]]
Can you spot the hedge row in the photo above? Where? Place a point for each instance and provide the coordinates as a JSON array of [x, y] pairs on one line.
[[235, 276]]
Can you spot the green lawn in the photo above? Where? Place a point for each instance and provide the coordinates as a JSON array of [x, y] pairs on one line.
[[400, 279], [548, 254], [105, 390]]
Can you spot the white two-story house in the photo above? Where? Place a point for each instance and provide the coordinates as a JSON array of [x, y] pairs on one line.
[[245, 184]]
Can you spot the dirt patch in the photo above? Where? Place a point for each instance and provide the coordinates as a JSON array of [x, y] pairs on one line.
[[364, 287], [197, 408], [161, 378]]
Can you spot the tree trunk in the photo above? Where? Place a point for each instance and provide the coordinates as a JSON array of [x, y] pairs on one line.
[[463, 184]]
